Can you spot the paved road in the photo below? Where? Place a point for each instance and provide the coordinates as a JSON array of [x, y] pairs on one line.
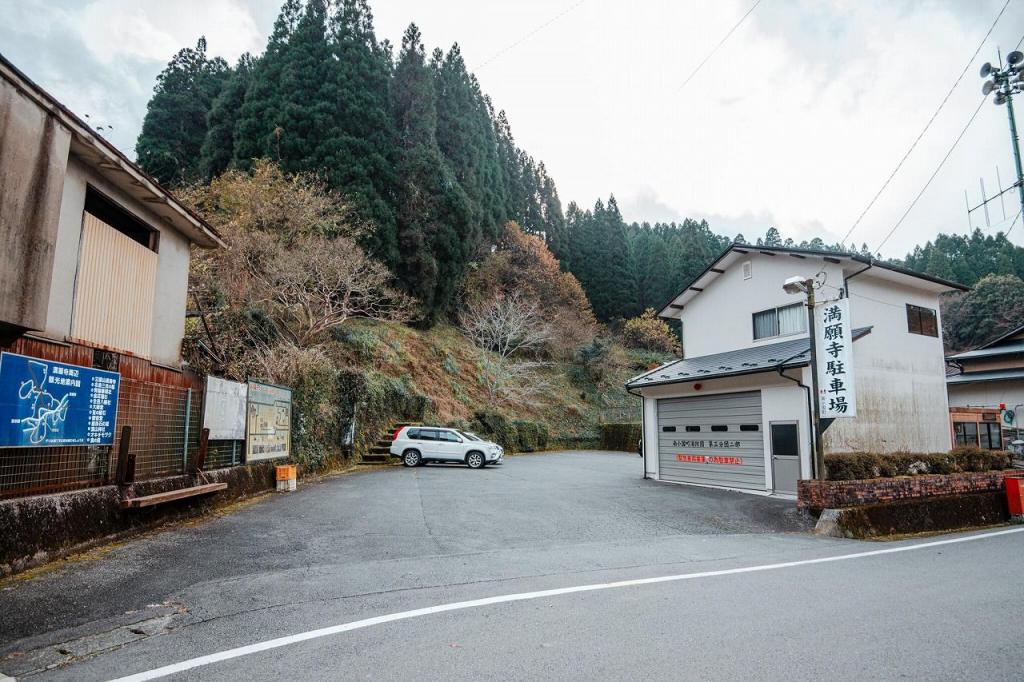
[[389, 541]]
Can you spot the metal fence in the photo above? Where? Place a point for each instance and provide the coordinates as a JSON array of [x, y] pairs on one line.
[[166, 422]]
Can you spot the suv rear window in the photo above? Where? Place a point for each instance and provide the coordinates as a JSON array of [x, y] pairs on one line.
[[427, 434], [413, 433]]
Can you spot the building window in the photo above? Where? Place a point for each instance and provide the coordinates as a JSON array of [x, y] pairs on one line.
[[922, 321], [747, 271], [991, 436], [966, 433], [719, 427], [783, 321]]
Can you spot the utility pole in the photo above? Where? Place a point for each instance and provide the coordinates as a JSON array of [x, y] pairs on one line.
[[819, 445], [1006, 82], [796, 285]]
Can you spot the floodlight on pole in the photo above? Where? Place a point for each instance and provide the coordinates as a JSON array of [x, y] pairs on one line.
[[1005, 83], [805, 285], [796, 285]]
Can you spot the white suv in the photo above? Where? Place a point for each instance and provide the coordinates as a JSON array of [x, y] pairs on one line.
[[417, 445]]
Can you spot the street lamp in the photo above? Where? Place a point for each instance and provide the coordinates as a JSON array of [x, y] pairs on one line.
[[805, 285], [1007, 81]]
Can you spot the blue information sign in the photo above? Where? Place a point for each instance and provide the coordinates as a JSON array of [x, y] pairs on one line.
[[44, 403]]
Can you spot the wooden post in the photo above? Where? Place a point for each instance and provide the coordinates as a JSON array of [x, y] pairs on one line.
[[200, 459], [122, 477]]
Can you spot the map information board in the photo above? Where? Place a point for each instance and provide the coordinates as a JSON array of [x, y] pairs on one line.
[[44, 403]]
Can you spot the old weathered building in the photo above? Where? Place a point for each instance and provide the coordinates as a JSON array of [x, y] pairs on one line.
[[94, 279]]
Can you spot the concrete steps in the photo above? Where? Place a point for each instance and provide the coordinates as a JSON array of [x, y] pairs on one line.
[[380, 451]]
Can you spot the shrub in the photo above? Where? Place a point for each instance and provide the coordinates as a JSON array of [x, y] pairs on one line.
[[623, 437], [650, 333], [860, 465], [972, 458], [363, 341], [594, 358], [450, 365], [517, 435], [530, 436]]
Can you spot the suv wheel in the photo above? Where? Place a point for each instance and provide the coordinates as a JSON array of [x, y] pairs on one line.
[[475, 460], [411, 458]]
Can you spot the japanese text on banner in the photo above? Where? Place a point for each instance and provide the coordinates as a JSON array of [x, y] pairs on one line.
[[834, 338]]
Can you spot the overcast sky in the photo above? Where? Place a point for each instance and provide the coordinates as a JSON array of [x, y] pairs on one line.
[[795, 122]]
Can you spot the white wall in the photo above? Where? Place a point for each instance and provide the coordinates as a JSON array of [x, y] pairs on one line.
[[171, 275], [781, 400], [901, 377], [987, 394], [721, 317], [901, 386]]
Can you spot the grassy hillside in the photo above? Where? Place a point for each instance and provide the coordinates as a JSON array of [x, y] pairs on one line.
[[571, 398]]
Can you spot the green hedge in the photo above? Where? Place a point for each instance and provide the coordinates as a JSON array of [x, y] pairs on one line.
[[515, 435], [622, 437], [861, 465], [317, 421]]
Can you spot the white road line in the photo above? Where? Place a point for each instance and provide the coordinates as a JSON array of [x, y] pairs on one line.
[[523, 596]]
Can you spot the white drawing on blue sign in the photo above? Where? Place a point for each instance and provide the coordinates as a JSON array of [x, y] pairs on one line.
[[48, 413]]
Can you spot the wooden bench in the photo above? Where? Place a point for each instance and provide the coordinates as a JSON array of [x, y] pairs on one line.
[[171, 495], [126, 475]]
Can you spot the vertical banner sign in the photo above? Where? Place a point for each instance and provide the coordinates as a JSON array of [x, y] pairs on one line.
[[44, 403], [834, 342], [269, 422]]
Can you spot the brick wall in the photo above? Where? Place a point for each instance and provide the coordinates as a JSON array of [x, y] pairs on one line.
[[836, 494]]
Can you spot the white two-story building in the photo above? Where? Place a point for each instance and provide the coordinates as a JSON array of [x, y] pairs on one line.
[[735, 412]]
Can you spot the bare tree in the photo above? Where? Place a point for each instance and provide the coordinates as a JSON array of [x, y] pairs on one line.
[[513, 380], [505, 325], [317, 284]]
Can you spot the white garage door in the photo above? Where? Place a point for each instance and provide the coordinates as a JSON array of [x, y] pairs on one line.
[[712, 440]]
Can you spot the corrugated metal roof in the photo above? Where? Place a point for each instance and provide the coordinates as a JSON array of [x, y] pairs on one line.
[[994, 375], [1005, 349], [766, 358]]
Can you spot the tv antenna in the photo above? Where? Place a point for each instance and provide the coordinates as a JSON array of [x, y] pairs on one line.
[[986, 200]]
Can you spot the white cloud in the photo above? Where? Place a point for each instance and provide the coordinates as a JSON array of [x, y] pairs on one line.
[[795, 122], [115, 29]]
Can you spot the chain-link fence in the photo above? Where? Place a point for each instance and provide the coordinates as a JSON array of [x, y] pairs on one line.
[[166, 422]]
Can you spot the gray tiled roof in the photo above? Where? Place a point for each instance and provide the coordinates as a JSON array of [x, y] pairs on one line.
[[993, 375], [1005, 349], [766, 358]]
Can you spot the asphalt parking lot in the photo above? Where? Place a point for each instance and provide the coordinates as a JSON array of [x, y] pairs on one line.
[[389, 540]]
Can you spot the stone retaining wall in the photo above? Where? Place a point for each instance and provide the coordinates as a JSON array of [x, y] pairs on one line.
[[836, 494], [34, 530]]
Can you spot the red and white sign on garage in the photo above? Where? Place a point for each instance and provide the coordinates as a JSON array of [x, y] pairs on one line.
[[834, 341]]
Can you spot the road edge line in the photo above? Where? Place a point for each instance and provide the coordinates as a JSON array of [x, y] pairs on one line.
[[287, 640]]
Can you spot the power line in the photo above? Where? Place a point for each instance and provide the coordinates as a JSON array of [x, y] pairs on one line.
[[1016, 217], [720, 43], [932, 177], [938, 168], [530, 34], [927, 125]]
